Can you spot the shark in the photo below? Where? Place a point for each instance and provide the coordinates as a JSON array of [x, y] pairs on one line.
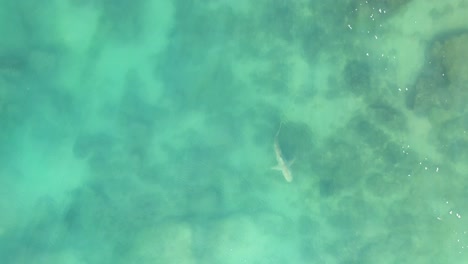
[[282, 165]]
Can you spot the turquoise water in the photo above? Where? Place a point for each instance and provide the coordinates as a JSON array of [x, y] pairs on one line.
[[143, 131]]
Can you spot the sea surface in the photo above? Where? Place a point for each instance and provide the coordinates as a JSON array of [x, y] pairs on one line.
[[143, 131]]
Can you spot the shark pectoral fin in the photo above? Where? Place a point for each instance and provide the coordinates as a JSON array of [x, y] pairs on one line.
[[277, 167], [291, 162]]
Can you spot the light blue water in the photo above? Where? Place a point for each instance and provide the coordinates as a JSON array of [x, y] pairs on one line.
[[143, 131]]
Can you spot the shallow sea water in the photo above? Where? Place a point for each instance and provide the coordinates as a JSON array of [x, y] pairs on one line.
[[143, 131]]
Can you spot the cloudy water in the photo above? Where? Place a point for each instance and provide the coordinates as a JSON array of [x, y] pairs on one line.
[[146, 131]]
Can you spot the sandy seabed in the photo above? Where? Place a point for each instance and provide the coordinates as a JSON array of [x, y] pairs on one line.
[[142, 131]]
